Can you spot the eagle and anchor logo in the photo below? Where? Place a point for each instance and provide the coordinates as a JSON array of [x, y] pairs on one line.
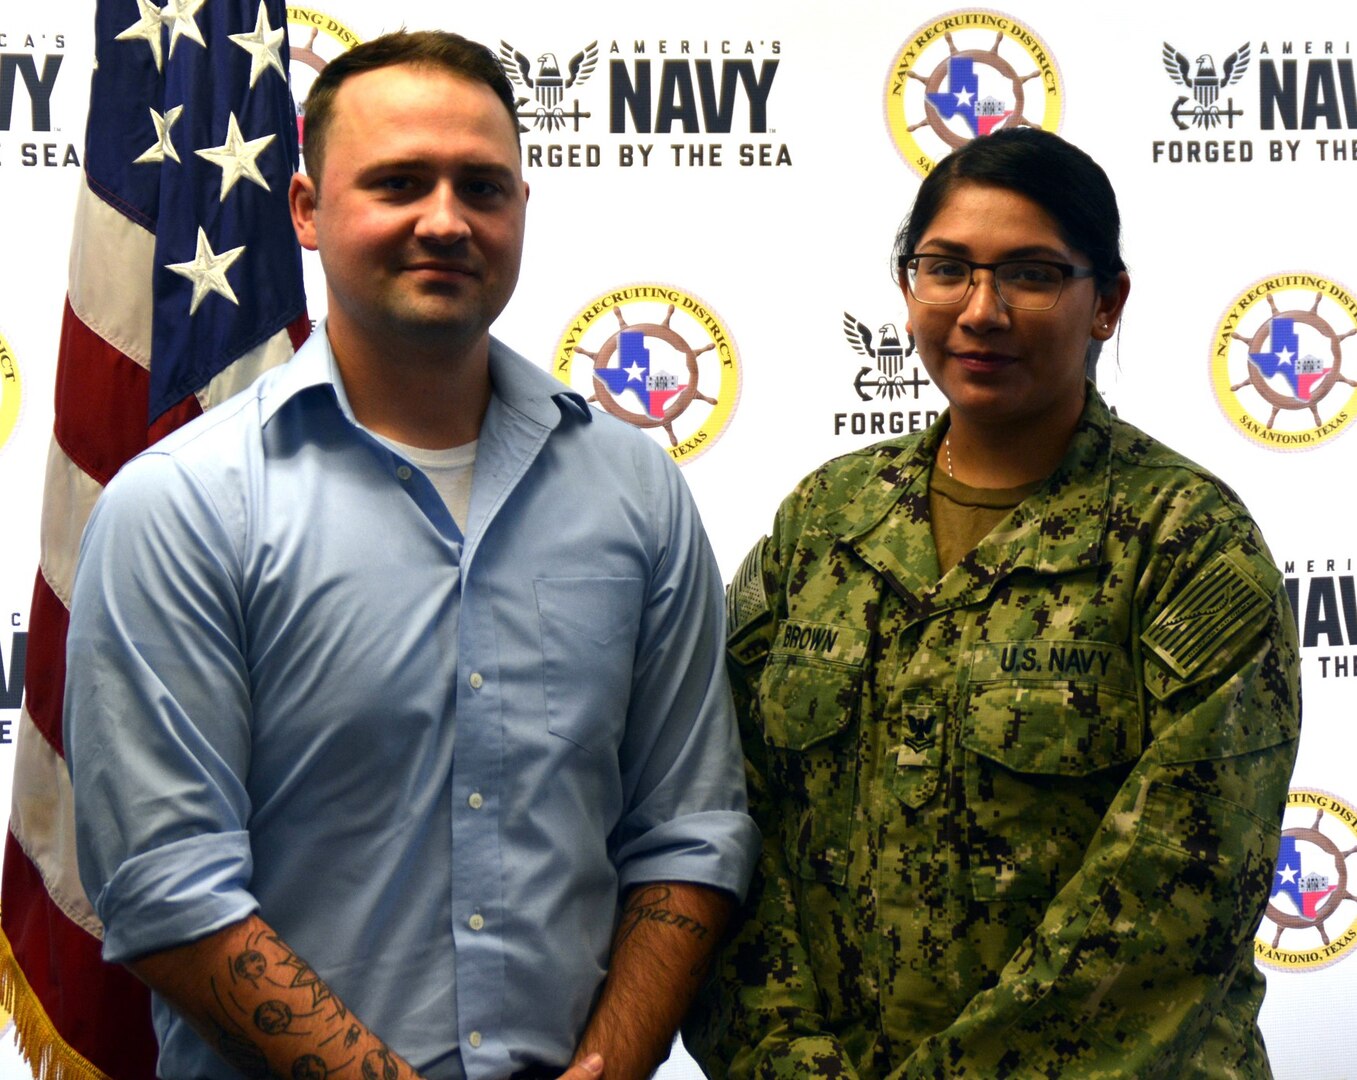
[[548, 85], [889, 355], [1205, 83]]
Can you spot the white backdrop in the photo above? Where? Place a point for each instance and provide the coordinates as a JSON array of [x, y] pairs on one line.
[[766, 218]]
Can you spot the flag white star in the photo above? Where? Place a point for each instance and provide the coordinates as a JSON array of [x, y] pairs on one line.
[[146, 28], [963, 97], [181, 15], [265, 46], [1288, 874], [634, 372], [1286, 356], [207, 271], [236, 157], [163, 147]]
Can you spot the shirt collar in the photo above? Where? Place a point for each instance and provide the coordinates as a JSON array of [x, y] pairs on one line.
[[313, 365], [516, 382], [523, 386]]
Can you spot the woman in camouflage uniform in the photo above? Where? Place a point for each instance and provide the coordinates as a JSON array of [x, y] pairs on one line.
[[1019, 698]]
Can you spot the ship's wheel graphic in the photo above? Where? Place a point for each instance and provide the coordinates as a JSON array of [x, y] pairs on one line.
[[676, 405], [307, 54], [989, 58], [1258, 344], [1325, 909]]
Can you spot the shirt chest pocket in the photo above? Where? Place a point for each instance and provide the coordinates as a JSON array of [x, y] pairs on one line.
[[589, 628], [809, 712], [1042, 762]]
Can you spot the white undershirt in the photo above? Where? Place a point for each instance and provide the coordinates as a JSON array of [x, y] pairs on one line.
[[448, 470]]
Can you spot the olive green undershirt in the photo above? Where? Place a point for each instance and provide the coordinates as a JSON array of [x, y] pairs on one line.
[[962, 516]]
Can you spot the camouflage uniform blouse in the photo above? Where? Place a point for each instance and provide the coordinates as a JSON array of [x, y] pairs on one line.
[[1022, 820]]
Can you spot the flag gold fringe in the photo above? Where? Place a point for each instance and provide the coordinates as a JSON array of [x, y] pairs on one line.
[[41, 1045]]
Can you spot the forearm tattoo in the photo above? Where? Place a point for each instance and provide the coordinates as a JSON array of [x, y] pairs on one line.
[[651, 904], [298, 1007]]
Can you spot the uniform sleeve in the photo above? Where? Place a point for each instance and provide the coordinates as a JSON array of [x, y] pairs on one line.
[[759, 1016], [156, 718], [686, 816], [1150, 943]]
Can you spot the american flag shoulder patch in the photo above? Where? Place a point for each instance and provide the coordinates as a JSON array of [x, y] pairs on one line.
[[747, 607], [1224, 600]]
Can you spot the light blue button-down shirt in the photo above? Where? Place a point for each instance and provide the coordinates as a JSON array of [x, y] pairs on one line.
[[431, 761]]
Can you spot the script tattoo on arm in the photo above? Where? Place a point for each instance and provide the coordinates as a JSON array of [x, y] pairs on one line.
[[661, 950], [651, 905]]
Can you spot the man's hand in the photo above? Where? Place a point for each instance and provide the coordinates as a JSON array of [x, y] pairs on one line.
[[591, 1068]]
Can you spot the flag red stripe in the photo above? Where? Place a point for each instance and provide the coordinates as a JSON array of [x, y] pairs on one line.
[[47, 624], [100, 400], [299, 329], [102, 1012], [174, 417]]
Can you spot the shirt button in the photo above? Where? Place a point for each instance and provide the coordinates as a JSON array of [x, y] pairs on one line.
[[403, 471], [476, 681], [476, 922], [475, 801], [474, 1039]]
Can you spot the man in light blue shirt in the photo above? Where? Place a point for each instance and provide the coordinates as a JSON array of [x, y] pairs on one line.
[[397, 721]]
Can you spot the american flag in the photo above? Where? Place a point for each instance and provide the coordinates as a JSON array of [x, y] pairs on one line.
[[185, 283]]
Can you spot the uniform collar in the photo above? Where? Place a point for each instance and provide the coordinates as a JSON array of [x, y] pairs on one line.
[[1058, 529]]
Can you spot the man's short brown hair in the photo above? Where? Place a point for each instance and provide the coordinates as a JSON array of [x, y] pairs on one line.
[[438, 49]]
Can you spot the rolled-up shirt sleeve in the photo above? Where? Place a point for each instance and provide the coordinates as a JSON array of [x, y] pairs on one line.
[[157, 713], [686, 816]]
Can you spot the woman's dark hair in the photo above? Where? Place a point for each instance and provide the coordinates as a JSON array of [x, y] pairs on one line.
[[1056, 175]]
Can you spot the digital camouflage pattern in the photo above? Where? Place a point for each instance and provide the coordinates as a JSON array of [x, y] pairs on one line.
[[1022, 820]]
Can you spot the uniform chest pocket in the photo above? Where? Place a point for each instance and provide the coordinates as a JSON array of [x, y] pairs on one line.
[[809, 710], [1042, 763]]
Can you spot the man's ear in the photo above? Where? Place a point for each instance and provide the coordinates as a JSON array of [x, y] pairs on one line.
[[301, 201]]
